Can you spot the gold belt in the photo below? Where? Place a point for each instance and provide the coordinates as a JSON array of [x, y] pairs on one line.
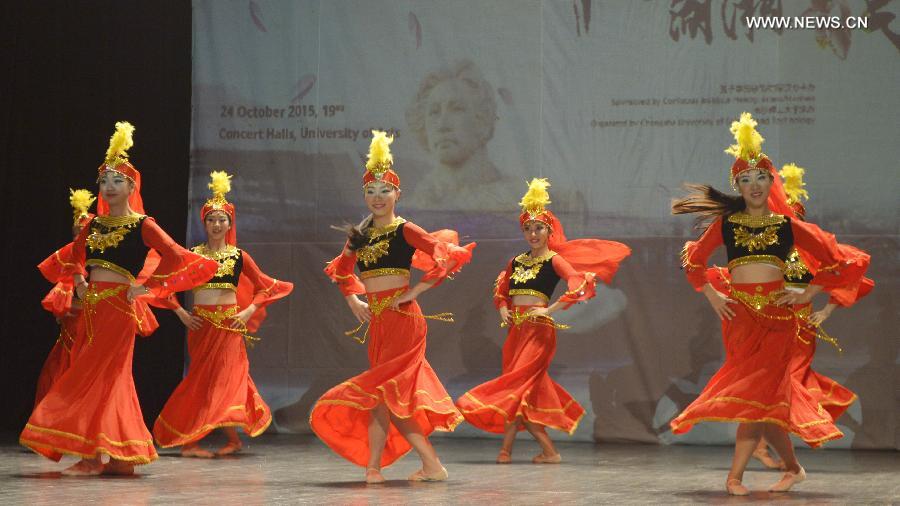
[[93, 296], [756, 303], [519, 318], [376, 307], [217, 317]]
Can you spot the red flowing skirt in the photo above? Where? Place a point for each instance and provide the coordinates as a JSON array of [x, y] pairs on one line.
[[831, 395], [399, 377], [759, 381], [217, 390], [60, 356], [93, 407], [524, 388]]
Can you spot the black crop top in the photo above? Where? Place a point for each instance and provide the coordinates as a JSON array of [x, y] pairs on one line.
[[533, 276], [755, 239], [115, 243], [231, 262], [795, 271], [386, 252]]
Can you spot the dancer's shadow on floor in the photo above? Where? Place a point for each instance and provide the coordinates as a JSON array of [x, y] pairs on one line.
[[720, 497], [57, 475], [361, 485]]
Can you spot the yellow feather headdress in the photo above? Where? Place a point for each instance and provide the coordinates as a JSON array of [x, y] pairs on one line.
[[793, 183], [220, 184], [748, 142], [536, 199], [81, 201], [119, 144], [380, 159]]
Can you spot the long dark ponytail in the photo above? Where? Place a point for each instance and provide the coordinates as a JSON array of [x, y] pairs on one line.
[[707, 202], [355, 237]]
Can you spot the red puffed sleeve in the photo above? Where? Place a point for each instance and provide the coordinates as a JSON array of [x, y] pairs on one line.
[[438, 254], [59, 299], [255, 287], [178, 269], [581, 286], [340, 270], [839, 269], [695, 254], [501, 287], [266, 290], [150, 265], [68, 260]]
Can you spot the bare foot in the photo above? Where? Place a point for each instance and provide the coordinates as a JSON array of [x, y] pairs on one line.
[[504, 457], [196, 451], [373, 476], [230, 448], [118, 468], [547, 459], [735, 487], [84, 467]]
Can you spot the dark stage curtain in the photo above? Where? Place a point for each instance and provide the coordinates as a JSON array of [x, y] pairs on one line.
[[70, 71]]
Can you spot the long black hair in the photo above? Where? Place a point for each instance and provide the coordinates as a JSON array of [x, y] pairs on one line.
[[355, 237], [707, 202]]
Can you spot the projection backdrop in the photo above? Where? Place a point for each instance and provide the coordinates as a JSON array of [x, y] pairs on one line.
[[617, 103]]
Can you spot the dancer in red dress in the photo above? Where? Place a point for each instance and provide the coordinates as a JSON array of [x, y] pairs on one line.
[[831, 395], [374, 418], [524, 397], [756, 385], [92, 409], [218, 390], [64, 307]]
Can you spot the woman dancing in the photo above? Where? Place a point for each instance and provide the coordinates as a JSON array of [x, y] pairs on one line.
[[524, 396], [756, 386], [376, 417], [218, 390]]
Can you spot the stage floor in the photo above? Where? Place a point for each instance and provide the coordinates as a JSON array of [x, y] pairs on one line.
[[280, 469]]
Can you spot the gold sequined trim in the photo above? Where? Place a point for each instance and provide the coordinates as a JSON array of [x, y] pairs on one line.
[[228, 252], [60, 260], [579, 290], [519, 317], [685, 261], [374, 232], [527, 260], [528, 291], [78, 437], [384, 271], [794, 268], [118, 221], [221, 286], [527, 267], [226, 258], [756, 240], [110, 266], [117, 227], [137, 460], [756, 221], [756, 259]]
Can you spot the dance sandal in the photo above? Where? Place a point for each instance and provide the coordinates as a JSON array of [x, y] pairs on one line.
[[735, 487], [374, 476], [195, 451], [230, 448], [421, 476], [788, 480], [540, 458]]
